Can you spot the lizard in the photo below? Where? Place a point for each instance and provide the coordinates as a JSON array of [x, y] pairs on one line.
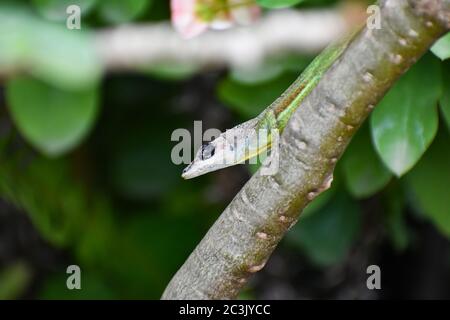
[[243, 141]]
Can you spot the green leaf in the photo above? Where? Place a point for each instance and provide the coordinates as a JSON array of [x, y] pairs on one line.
[[56, 9], [250, 99], [278, 3], [406, 120], [65, 58], [445, 98], [364, 173], [119, 11], [52, 120], [442, 47], [327, 235], [429, 183]]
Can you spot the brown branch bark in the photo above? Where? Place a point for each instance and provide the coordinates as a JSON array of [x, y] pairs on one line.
[[242, 239]]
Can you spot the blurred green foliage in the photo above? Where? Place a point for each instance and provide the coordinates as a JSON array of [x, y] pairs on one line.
[[249, 99], [68, 116], [365, 174], [56, 10], [429, 180], [445, 98], [118, 11], [278, 3], [97, 180], [47, 50], [13, 280], [327, 235]]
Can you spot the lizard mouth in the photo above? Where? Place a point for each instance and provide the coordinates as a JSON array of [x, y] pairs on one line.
[[185, 173]]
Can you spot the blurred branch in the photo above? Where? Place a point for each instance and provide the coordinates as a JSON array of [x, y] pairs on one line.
[[74, 60], [277, 32], [243, 238]]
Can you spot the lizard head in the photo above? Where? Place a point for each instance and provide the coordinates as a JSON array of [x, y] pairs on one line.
[[231, 147], [212, 156]]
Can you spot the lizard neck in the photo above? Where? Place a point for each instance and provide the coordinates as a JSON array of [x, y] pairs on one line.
[[283, 108]]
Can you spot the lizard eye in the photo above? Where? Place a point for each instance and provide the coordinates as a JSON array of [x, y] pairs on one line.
[[208, 151]]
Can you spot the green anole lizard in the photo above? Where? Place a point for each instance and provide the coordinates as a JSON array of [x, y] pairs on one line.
[[242, 142]]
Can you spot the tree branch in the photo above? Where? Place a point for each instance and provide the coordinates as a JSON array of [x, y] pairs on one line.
[[277, 32], [242, 239]]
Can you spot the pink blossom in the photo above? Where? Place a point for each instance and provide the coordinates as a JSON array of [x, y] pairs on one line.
[[184, 18], [188, 22]]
